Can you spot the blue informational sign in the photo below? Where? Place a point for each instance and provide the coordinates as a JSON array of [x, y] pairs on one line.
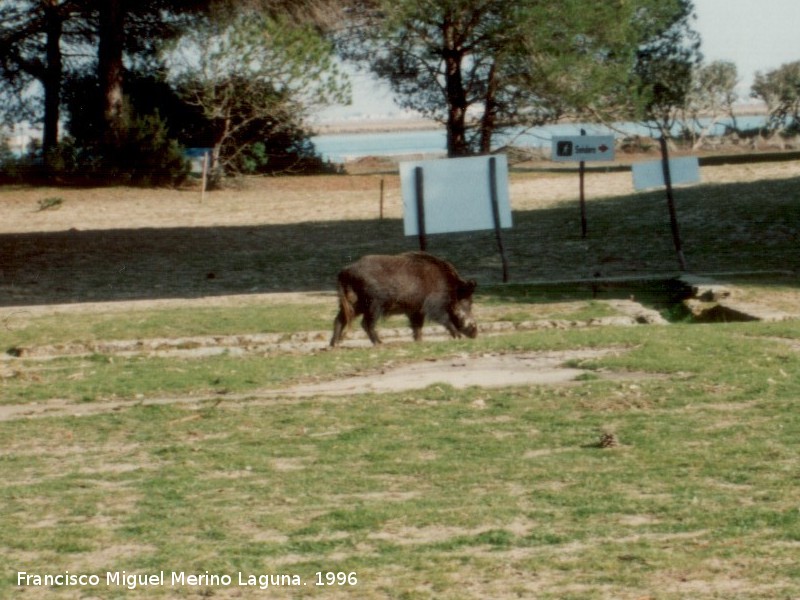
[[683, 171], [457, 194]]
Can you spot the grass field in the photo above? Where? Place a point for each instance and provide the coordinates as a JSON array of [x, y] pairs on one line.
[[437, 493], [667, 470]]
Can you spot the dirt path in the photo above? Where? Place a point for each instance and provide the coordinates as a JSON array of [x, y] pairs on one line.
[[486, 370], [464, 370]]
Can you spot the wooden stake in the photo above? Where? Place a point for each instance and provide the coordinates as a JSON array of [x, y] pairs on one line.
[[381, 201], [204, 178]]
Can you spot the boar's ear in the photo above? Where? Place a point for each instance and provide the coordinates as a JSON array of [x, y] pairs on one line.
[[466, 288]]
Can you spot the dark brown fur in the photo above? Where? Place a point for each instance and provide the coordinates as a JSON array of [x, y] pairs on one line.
[[416, 284]]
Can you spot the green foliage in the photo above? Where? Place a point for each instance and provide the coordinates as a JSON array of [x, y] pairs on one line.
[[49, 42], [146, 156], [14, 169], [50, 203], [147, 152], [149, 156], [780, 90], [481, 66], [666, 61], [714, 87], [285, 152], [254, 79], [712, 95], [255, 158]]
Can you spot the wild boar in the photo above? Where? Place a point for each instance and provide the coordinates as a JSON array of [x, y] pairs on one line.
[[416, 284]]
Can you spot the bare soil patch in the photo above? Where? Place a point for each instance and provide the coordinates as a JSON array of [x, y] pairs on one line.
[[486, 370]]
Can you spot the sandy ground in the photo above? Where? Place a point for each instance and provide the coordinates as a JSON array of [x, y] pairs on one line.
[[268, 235]]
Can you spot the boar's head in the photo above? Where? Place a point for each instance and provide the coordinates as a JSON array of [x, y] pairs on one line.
[[461, 310]]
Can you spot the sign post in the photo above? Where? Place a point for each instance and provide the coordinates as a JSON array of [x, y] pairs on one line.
[[573, 148], [582, 175], [496, 215], [419, 193], [583, 148]]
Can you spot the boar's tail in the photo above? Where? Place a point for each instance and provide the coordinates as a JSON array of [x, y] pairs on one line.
[[347, 312], [346, 307]]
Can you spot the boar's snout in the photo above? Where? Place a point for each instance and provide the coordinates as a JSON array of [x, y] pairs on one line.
[[467, 325], [470, 330]]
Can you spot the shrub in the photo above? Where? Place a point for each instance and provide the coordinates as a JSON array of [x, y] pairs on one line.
[[149, 157]]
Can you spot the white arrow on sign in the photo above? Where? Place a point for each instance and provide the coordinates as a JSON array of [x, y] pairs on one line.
[[576, 148]]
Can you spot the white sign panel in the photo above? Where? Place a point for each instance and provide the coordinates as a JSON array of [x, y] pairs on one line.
[[576, 148], [456, 193], [682, 171]]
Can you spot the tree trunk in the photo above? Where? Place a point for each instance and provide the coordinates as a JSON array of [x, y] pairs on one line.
[[52, 81], [217, 168], [456, 95], [489, 119], [110, 73]]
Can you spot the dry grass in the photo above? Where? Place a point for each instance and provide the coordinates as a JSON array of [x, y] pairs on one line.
[[293, 234]]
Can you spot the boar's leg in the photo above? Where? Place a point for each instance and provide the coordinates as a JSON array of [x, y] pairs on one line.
[[340, 326], [371, 318], [417, 320], [451, 328]]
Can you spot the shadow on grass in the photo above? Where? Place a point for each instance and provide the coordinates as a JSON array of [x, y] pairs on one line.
[[725, 228]]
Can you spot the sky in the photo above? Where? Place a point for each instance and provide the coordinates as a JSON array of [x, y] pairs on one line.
[[756, 35]]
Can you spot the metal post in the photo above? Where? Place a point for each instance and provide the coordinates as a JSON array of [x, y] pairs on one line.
[[419, 187], [673, 216], [496, 214]]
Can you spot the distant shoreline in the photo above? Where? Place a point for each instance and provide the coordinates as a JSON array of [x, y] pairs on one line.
[[392, 124], [370, 125]]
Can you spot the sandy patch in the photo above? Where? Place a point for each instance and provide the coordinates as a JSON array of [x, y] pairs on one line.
[[487, 370]]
